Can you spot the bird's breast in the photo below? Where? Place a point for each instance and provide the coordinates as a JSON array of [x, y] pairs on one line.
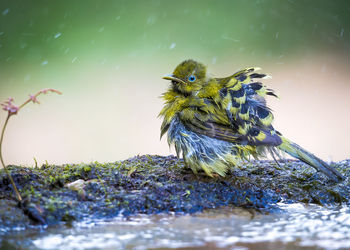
[[194, 144]]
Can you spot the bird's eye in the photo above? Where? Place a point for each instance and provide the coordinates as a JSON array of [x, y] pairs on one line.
[[191, 78]]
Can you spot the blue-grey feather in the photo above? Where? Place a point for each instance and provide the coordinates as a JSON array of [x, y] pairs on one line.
[[191, 144]]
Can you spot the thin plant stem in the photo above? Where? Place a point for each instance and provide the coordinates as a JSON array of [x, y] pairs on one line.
[[2, 160], [12, 110]]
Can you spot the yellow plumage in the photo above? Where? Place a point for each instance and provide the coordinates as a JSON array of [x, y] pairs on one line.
[[216, 122]]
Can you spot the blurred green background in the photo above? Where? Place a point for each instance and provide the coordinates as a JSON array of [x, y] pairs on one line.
[[107, 57]]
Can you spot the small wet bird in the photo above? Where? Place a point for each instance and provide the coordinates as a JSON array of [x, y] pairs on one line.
[[215, 123]]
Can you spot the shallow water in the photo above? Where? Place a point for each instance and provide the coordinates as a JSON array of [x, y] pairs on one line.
[[295, 226]]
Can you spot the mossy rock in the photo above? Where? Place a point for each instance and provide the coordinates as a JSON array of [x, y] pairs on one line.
[[156, 184]]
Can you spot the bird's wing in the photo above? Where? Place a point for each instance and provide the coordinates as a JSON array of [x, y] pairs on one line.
[[240, 114], [244, 99], [260, 137]]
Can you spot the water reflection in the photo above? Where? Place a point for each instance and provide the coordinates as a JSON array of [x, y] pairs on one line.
[[296, 226]]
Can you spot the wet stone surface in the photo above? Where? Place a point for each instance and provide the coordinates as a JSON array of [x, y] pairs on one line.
[[157, 184]]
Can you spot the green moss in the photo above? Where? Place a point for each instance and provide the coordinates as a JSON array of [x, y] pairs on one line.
[[152, 184]]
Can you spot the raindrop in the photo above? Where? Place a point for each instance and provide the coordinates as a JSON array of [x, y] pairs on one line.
[[57, 35], [314, 29], [23, 45], [27, 77], [230, 38], [74, 59], [101, 29], [66, 51], [172, 46], [1, 33], [44, 63], [213, 60], [277, 34], [151, 20], [342, 32], [5, 12], [117, 18], [133, 53]]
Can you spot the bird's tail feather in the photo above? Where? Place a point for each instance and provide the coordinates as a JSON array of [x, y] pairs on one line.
[[298, 152]]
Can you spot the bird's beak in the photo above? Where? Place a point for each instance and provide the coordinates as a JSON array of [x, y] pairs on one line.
[[172, 78]]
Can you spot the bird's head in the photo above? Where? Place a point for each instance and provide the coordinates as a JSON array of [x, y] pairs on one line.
[[188, 77]]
